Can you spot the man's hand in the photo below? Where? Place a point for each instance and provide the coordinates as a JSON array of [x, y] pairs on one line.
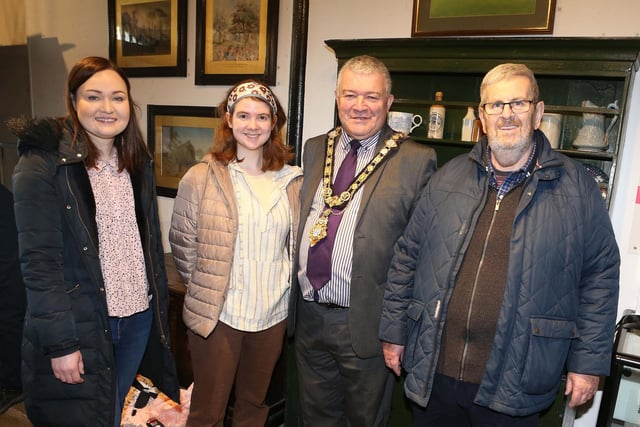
[[581, 387], [69, 368], [393, 356]]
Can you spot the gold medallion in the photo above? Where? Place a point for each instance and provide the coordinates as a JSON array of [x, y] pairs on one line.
[[319, 229]]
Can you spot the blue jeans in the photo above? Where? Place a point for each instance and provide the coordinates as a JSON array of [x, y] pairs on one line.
[[130, 336]]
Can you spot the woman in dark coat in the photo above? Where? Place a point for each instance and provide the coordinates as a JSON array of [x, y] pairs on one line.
[[91, 255]]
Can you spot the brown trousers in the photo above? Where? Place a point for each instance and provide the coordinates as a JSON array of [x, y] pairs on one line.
[[227, 356]]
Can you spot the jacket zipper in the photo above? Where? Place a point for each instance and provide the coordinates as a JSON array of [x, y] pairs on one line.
[[155, 300], [474, 289], [75, 199]]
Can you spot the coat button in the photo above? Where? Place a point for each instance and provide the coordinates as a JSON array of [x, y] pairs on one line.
[[68, 207], [85, 248]]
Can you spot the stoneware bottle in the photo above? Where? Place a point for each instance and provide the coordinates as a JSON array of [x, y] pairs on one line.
[[436, 118], [467, 125]]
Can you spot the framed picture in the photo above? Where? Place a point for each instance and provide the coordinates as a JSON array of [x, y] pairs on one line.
[[473, 17], [236, 40], [178, 137], [148, 38]]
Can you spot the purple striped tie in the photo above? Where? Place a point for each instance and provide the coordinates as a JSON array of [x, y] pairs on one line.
[[319, 259]]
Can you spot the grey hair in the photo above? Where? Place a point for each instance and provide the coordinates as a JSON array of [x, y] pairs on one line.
[[366, 64], [506, 71]]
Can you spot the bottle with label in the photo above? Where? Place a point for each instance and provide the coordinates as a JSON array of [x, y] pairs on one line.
[[467, 125], [436, 118]]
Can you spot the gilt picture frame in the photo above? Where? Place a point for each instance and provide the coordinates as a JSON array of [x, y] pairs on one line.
[[178, 137], [236, 41], [148, 38], [487, 17]]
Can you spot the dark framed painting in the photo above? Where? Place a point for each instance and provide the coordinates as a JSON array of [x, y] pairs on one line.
[[178, 137], [486, 17], [148, 38], [236, 40]]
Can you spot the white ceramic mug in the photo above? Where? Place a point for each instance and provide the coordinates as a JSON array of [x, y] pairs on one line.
[[551, 125], [403, 122]]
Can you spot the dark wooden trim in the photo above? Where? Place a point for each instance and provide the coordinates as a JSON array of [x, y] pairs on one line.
[[577, 56], [298, 70], [298, 67]]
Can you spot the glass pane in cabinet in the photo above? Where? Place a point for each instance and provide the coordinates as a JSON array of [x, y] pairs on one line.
[[600, 93], [627, 409]]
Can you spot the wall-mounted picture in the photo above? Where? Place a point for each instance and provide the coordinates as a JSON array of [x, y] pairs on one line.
[[236, 40], [147, 38], [178, 137], [486, 17]]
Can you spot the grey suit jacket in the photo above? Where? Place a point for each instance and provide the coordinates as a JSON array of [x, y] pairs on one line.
[[389, 197]]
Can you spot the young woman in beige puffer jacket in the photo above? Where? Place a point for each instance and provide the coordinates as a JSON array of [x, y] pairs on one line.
[[232, 235]]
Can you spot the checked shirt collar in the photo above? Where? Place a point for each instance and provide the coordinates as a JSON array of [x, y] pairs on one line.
[[515, 178]]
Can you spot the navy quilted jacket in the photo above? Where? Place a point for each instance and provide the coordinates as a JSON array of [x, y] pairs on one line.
[[561, 296]]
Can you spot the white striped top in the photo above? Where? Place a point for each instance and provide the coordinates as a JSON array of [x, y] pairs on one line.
[[258, 294], [337, 290]]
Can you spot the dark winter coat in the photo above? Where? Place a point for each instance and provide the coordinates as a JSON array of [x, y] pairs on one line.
[[561, 295], [67, 310], [13, 299]]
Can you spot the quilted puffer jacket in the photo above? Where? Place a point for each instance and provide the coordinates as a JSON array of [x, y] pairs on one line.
[[67, 309], [561, 295], [203, 233]]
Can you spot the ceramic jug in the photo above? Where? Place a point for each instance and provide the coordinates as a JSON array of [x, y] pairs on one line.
[[592, 135]]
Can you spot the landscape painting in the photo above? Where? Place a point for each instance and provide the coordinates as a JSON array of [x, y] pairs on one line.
[[486, 17]]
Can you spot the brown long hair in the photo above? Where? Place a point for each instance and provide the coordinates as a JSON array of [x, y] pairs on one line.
[[274, 152], [130, 145]]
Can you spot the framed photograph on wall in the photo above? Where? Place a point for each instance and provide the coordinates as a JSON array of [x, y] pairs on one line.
[[178, 137], [488, 17], [236, 40], [148, 38]]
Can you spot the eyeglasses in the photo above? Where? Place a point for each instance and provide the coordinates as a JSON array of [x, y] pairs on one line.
[[517, 106]]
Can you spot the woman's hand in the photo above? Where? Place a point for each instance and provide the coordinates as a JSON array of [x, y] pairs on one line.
[[69, 369]]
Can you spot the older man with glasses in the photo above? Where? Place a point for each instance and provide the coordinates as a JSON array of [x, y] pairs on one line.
[[506, 275]]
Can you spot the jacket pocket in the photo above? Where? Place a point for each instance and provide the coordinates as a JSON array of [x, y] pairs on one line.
[[414, 316], [549, 343]]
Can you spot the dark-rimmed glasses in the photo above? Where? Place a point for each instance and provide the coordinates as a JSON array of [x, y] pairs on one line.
[[517, 106]]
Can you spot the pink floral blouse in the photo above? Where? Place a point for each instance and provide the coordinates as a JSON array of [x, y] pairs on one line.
[[121, 257]]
